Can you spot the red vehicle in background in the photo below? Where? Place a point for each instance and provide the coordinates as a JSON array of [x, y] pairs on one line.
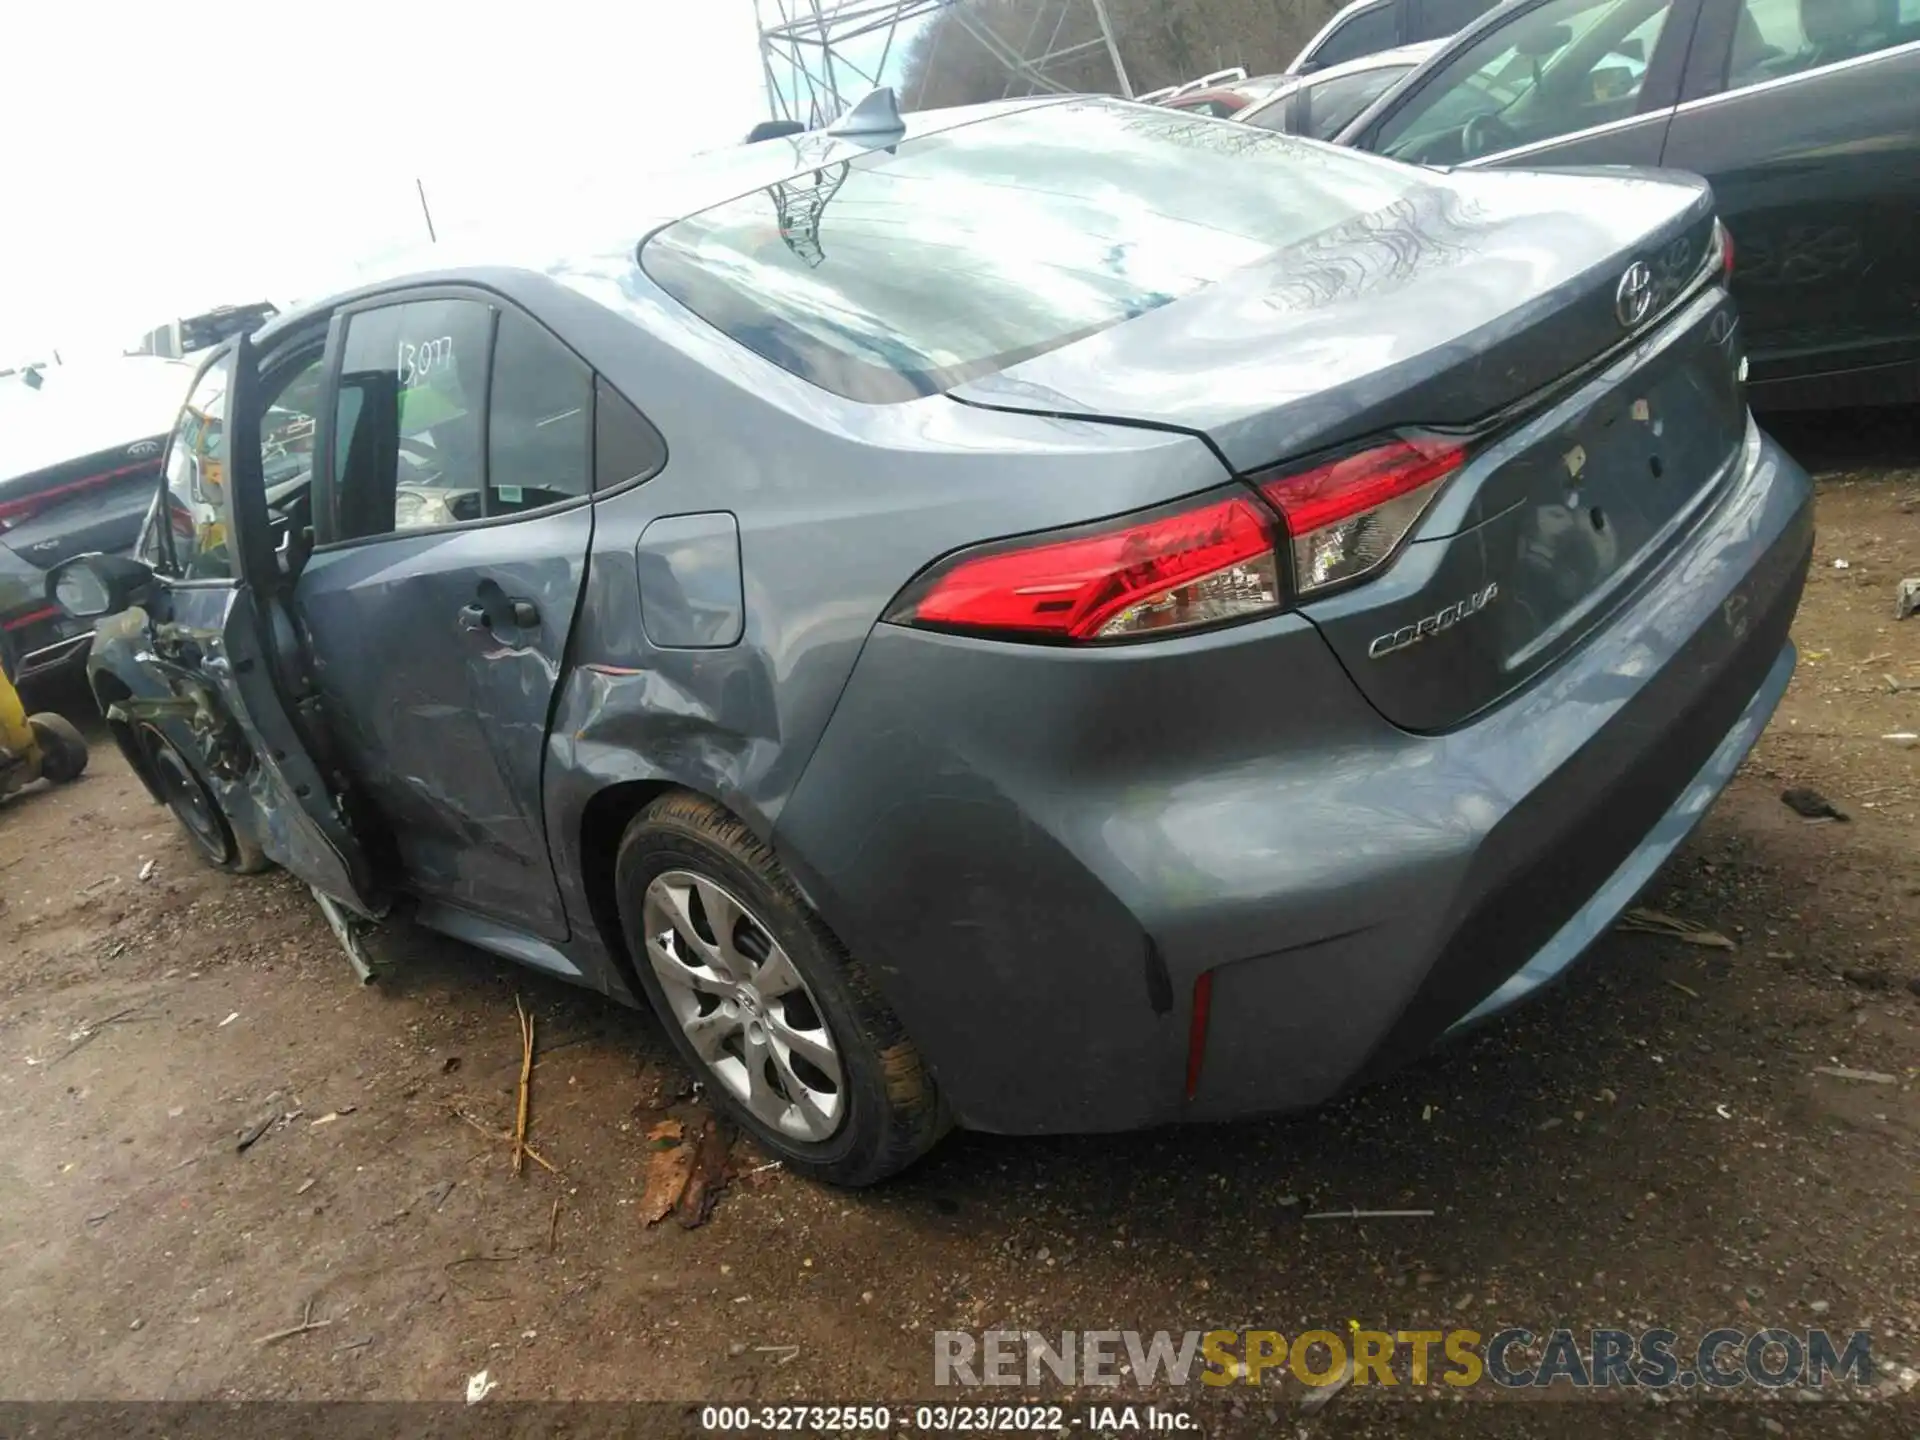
[[1223, 93]]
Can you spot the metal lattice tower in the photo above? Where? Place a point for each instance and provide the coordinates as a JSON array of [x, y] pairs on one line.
[[819, 56], [800, 203]]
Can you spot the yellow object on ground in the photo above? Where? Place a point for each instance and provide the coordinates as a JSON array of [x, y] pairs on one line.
[[16, 735], [33, 747]]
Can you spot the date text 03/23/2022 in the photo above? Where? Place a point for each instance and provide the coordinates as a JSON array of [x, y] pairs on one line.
[[1105, 1419]]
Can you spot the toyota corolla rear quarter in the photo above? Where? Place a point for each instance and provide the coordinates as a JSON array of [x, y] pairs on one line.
[[1216, 804]]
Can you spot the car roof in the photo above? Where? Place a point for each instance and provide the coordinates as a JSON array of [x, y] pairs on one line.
[[609, 217]]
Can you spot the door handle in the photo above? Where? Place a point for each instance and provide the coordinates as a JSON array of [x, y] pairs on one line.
[[473, 617]]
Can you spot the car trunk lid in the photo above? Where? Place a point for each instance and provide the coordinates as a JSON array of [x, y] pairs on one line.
[[1556, 517], [93, 503], [1566, 328], [1446, 305]]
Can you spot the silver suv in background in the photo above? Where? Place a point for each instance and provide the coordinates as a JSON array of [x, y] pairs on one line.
[[1368, 26]]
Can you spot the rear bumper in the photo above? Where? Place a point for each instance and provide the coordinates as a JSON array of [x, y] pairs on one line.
[[1037, 855], [63, 657]]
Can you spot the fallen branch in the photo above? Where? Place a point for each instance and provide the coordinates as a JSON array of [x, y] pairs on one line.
[[88, 1033], [1652, 922], [526, 1086], [507, 1135], [307, 1322], [1866, 1077]]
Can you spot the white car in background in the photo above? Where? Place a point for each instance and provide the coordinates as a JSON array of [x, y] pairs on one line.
[[1324, 103]]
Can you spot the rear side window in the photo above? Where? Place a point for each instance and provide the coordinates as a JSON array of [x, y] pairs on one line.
[[1367, 33], [540, 427], [900, 275], [1776, 38], [1440, 18]]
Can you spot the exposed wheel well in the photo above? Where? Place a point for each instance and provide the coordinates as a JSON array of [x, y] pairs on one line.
[[603, 824], [108, 690]]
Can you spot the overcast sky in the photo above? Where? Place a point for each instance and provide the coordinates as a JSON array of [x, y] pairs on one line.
[[164, 158]]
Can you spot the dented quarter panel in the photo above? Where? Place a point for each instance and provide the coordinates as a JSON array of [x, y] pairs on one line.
[[838, 505]]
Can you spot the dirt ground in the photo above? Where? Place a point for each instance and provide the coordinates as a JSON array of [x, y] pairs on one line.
[[1652, 1145]]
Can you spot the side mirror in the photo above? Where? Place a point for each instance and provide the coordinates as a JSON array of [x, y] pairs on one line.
[[90, 586]]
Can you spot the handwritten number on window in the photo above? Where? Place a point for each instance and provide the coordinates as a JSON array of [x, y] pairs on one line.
[[418, 359]]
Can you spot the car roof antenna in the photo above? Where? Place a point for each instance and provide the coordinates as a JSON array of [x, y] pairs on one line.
[[873, 116]]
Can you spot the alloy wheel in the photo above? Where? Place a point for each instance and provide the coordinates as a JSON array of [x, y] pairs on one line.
[[744, 1006]]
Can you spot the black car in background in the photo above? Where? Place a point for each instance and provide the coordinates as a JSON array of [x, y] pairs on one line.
[[80, 451], [1803, 114]]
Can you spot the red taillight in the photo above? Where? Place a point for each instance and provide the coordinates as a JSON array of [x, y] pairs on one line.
[[1347, 516], [13, 511], [33, 617], [1179, 569], [1171, 572], [1726, 249]]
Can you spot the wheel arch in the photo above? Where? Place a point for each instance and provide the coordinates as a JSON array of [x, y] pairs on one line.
[[603, 823], [109, 690]]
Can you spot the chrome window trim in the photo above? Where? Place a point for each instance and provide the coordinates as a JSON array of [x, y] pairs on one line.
[[1624, 122], [1854, 62]]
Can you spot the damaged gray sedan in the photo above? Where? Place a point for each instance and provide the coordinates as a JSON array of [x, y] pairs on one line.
[[1057, 616]]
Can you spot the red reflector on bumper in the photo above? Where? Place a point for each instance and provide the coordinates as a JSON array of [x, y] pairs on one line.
[[33, 617], [1197, 1030]]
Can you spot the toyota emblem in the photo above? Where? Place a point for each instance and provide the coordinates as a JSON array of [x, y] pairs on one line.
[[1633, 298]]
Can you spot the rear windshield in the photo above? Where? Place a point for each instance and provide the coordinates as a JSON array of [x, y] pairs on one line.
[[900, 275]]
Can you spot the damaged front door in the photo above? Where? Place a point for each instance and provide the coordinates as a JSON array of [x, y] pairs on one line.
[[222, 628]]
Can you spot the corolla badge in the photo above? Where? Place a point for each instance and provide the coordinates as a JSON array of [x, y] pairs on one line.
[[1433, 624], [1633, 297], [140, 449]]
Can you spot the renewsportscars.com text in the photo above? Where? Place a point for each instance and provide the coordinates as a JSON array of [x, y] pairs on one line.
[[1512, 1358]]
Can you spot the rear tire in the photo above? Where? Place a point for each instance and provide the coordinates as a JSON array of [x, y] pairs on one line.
[[195, 807], [802, 1052], [63, 749]]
